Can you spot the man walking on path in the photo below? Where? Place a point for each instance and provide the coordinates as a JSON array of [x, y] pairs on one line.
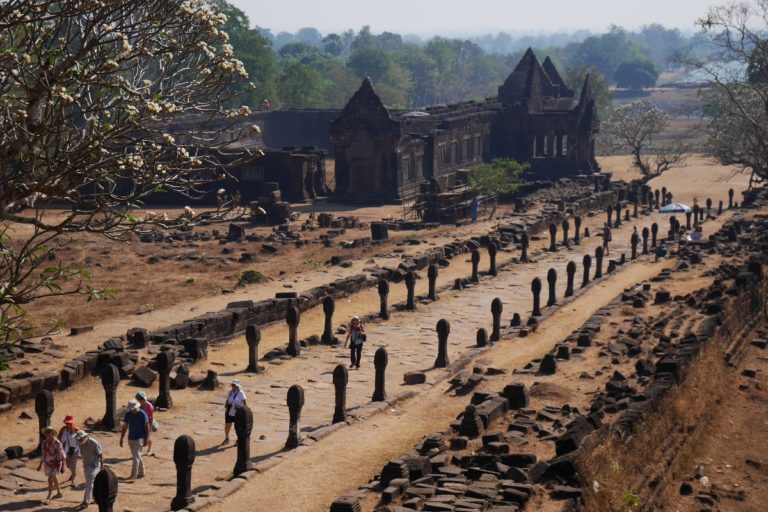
[[607, 237], [93, 459], [137, 425]]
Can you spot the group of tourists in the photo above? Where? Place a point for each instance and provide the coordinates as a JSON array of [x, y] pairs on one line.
[[59, 452]]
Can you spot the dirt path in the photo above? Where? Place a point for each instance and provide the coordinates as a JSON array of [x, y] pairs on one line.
[[312, 479], [409, 337]]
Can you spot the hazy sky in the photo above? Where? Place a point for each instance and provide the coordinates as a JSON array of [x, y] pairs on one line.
[[427, 17]]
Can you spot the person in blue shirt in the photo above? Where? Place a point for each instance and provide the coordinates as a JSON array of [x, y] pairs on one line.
[[136, 423]]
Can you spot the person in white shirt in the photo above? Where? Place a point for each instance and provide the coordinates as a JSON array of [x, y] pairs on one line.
[[235, 401]]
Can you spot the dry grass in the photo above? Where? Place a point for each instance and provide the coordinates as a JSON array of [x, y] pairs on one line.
[[622, 467]]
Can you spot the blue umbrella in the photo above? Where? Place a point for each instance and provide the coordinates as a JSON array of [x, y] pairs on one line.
[[675, 208]]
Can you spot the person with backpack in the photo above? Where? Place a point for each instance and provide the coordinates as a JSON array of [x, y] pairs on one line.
[[356, 337]]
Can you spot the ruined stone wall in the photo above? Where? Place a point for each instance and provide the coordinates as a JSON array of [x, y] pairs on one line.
[[296, 127]]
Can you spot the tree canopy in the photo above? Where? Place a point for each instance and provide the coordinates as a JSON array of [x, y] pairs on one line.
[[637, 73]]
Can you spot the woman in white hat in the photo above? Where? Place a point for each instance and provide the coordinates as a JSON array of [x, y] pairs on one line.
[[52, 459], [235, 401]]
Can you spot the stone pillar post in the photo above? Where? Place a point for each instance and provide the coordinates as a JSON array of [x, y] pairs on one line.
[[672, 227], [524, 247], [646, 234], [688, 216], [598, 263], [410, 285], [657, 196], [496, 308], [492, 251], [105, 490], [701, 213], [380, 361], [243, 428], [475, 263], [635, 213], [570, 271], [709, 207], [165, 360], [566, 226], [609, 214], [110, 378], [292, 318], [663, 196], [730, 198], [253, 337], [44, 411], [183, 458], [340, 380], [618, 215], [383, 294], [443, 330], [577, 227], [552, 281], [553, 237], [720, 208], [695, 215], [295, 401], [432, 276], [329, 307], [587, 262], [634, 241], [654, 234], [536, 290], [482, 337]]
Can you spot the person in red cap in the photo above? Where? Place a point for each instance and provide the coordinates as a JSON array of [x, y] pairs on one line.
[[70, 445]]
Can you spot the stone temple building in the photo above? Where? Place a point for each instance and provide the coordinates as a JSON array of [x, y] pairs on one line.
[[385, 156]]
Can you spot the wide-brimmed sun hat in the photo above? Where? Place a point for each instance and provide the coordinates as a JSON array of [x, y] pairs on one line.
[[80, 435], [355, 319], [236, 382], [69, 419], [133, 405], [45, 430]]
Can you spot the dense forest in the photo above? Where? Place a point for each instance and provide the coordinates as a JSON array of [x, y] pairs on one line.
[[308, 69]]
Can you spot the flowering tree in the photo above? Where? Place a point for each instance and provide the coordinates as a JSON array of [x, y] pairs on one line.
[[737, 75], [632, 127], [103, 102]]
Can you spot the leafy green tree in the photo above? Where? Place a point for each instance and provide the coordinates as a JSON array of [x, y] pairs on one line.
[[254, 49], [371, 62], [310, 36], [636, 73], [299, 86], [333, 44], [496, 178], [601, 92]]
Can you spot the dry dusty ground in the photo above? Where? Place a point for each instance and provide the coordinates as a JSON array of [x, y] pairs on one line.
[[312, 477]]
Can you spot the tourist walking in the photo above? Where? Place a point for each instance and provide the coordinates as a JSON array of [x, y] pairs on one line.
[[149, 410], [356, 337], [52, 459], [235, 401], [70, 446], [93, 460], [607, 237], [136, 423]]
